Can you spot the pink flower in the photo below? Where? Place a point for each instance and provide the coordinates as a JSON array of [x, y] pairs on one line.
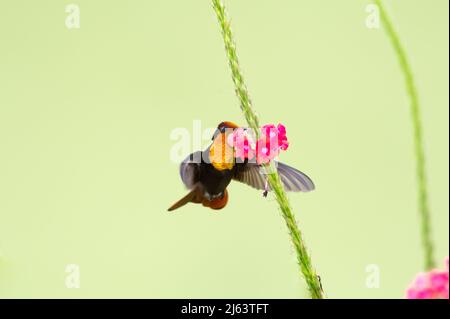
[[263, 152], [241, 141], [430, 285], [282, 138], [272, 140], [267, 147]]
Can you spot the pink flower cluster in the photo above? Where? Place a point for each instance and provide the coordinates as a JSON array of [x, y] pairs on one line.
[[430, 285], [272, 140]]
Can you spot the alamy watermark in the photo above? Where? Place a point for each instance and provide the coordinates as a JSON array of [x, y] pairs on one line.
[[73, 16], [72, 280], [373, 276], [373, 17]]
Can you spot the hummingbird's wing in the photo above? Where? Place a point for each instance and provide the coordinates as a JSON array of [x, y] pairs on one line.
[[190, 169], [293, 180], [250, 174], [189, 173]]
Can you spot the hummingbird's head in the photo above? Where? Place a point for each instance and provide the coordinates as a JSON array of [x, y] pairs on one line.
[[220, 153], [224, 125]]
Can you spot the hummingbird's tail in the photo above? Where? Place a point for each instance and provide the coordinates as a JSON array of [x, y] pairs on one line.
[[191, 196], [194, 196]]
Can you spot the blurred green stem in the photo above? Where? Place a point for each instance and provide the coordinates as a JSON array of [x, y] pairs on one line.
[[418, 139], [303, 258]]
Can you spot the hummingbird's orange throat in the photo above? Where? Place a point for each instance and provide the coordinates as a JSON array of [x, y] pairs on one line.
[[221, 154]]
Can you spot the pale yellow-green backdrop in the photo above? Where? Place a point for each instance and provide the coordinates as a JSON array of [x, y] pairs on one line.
[[85, 119]]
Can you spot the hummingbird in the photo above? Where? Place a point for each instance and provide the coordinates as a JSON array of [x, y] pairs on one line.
[[207, 174]]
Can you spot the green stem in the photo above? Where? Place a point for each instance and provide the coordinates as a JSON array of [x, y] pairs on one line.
[[418, 139], [303, 258]]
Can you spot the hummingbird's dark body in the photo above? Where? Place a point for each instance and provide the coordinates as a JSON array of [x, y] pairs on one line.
[[214, 181], [207, 177]]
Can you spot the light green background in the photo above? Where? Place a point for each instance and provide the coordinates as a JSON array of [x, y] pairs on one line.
[[85, 118]]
